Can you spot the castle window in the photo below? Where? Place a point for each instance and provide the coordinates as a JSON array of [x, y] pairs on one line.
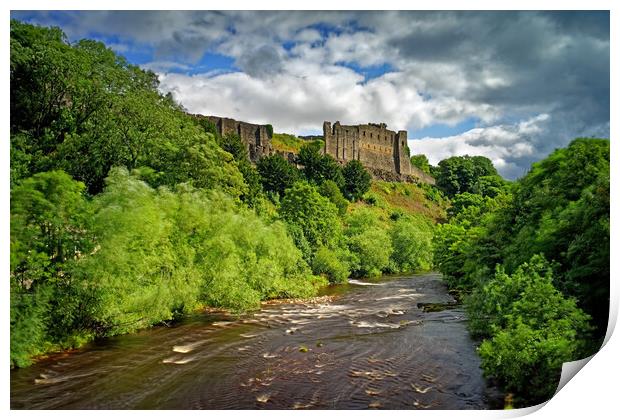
[[370, 135], [364, 134]]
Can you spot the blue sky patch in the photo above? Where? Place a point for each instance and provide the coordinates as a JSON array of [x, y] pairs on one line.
[[444, 130], [370, 72]]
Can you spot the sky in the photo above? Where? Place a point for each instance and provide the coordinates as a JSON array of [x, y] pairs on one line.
[[511, 86]]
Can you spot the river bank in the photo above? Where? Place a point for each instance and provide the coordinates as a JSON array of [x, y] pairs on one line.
[[366, 346]]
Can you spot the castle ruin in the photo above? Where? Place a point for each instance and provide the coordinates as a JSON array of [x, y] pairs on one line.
[[384, 152], [255, 136]]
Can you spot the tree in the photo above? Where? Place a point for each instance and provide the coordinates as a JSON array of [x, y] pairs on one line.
[[460, 174], [315, 215], [421, 162], [318, 168], [232, 144], [330, 190], [412, 245], [332, 264], [533, 329], [277, 174], [50, 228], [357, 180], [369, 244]]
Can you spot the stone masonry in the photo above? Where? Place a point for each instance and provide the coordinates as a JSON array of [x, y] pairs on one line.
[[382, 151], [254, 136]]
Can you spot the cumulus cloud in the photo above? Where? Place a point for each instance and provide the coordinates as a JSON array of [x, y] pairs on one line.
[[511, 147], [533, 80], [301, 97]]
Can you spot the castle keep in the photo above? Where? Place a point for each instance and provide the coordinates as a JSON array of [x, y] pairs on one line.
[[381, 150], [254, 136]]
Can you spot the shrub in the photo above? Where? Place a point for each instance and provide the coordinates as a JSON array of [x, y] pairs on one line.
[[315, 215], [533, 329], [412, 244], [331, 264]]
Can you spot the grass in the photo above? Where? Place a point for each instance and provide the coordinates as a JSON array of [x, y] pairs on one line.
[[388, 198], [289, 142]]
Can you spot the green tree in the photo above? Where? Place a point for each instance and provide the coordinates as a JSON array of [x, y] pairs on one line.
[[533, 329], [277, 174], [369, 244], [459, 174], [50, 221], [332, 264], [421, 162], [330, 190], [232, 144], [315, 215], [412, 244], [318, 168], [357, 180]]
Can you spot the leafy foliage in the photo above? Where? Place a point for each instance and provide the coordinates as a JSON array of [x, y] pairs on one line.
[[318, 168], [315, 215], [369, 244], [421, 162], [332, 264], [459, 174], [277, 174], [330, 190], [412, 245], [533, 329], [559, 212], [357, 180]]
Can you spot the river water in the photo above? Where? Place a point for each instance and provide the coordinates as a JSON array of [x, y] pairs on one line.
[[368, 344]]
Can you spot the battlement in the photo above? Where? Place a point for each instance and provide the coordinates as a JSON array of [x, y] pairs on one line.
[[372, 144]]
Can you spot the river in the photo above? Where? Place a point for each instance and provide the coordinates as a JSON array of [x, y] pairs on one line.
[[367, 344]]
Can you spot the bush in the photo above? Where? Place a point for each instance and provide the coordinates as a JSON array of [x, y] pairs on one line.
[[412, 245], [369, 244], [533, 329], [315, 215], [330, 190], [318, 168], [331, 264], [277, 174]]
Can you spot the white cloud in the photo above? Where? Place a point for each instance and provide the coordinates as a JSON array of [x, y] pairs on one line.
[[304, 94], [493, 67], [506, 145]]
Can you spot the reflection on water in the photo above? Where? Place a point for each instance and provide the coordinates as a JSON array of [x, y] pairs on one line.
[[369, 347]]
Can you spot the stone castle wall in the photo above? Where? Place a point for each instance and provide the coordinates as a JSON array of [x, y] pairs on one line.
[[383, 152], [377, 148], [254, 136]]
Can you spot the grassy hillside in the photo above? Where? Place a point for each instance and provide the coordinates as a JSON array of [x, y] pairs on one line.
[[289, 142], [389, 199]]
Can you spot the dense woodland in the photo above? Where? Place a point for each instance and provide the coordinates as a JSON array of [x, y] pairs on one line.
[[126, 212]]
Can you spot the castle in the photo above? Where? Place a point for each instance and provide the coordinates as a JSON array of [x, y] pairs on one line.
[[383, 152], [256, 137], [376, 147]]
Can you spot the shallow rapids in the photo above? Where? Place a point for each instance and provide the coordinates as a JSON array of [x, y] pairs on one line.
[[371, 346]]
